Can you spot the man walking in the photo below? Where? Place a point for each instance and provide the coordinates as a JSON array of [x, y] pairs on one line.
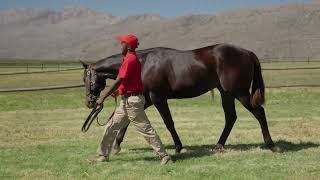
[[131, 108]]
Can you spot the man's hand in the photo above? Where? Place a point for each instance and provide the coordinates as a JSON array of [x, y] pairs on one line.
[[111, 90], [115, 93], [100, 100]]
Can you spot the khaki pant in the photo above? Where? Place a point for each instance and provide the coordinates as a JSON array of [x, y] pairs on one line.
[[131, 109]]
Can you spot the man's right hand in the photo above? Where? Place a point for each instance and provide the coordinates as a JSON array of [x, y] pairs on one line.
[[100, 100], [115, 93]]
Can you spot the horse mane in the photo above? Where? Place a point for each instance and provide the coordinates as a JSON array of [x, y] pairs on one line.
[[139, 53], [144, 52]]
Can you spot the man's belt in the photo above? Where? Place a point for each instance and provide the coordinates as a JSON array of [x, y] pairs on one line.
[[131, 94]]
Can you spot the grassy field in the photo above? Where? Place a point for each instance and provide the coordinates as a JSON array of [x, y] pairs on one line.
[[41, 137]]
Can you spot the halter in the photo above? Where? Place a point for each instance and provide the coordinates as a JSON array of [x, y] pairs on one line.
[[97, 108], [89, 87]]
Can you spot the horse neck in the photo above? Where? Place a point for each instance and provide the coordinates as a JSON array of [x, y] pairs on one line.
[[111, 65], [108, 66]]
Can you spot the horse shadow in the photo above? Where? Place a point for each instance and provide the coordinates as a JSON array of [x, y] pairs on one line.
[[195, 151]]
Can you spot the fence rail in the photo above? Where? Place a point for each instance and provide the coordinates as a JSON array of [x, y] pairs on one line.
[[41, 66], [293, 68], [34, 72], [42, 88], [289, 59], [294, 86]]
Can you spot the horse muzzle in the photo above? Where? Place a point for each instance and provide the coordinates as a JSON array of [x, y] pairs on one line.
[[90, 104]]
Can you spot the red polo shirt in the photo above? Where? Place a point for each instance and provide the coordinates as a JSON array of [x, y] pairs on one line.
[[130, 72]]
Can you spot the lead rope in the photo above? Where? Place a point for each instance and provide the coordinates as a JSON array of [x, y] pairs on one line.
[[94, 115], [110, 117]]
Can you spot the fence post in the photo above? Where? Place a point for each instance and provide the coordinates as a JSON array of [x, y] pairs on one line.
[[27, 67], [42, 67], [58, 66], [308, 59]]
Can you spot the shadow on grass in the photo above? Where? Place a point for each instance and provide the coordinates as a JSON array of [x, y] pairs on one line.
[[284, 145], [206, 150]]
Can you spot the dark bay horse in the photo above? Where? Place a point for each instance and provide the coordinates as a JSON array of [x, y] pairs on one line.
[[175, 74]]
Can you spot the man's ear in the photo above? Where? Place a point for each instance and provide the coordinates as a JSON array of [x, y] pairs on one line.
[[84, 64]]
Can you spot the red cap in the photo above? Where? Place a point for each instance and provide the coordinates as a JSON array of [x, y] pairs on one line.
[[131, 39]]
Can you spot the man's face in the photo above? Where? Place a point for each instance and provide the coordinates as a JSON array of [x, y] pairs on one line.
[[125, 48]]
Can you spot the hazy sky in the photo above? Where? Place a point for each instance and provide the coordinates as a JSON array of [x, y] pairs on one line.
[[134, 7]]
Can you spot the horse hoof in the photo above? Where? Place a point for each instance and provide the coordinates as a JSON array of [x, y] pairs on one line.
[[178, 149], [219, 148], [276, 149], [116, 149]]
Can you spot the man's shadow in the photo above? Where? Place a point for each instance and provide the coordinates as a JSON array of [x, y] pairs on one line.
[[207, 150]]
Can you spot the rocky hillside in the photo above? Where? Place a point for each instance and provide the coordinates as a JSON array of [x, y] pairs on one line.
[[77, 32]]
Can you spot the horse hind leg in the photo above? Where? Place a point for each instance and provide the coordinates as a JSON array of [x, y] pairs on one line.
[[259, 114], [230, 118]]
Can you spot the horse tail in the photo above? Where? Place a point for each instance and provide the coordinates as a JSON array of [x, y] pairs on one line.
[[258, 88]]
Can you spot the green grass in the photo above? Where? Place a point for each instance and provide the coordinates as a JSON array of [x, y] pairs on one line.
[[292, 77], [41, 139]]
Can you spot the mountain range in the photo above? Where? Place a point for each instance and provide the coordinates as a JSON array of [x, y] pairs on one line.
[[290, 30]]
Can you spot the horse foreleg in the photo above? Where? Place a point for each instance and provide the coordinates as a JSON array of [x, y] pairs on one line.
[[230, 118], [163, 108]]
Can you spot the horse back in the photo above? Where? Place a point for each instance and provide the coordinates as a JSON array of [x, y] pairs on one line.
[[179, 74]]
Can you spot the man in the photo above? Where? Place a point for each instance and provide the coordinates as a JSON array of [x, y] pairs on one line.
[[131, 107]]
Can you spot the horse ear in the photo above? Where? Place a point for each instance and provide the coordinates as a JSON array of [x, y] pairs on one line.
[[84, 64]]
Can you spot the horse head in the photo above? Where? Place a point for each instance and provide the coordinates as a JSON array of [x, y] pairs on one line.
[[95, 81]]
